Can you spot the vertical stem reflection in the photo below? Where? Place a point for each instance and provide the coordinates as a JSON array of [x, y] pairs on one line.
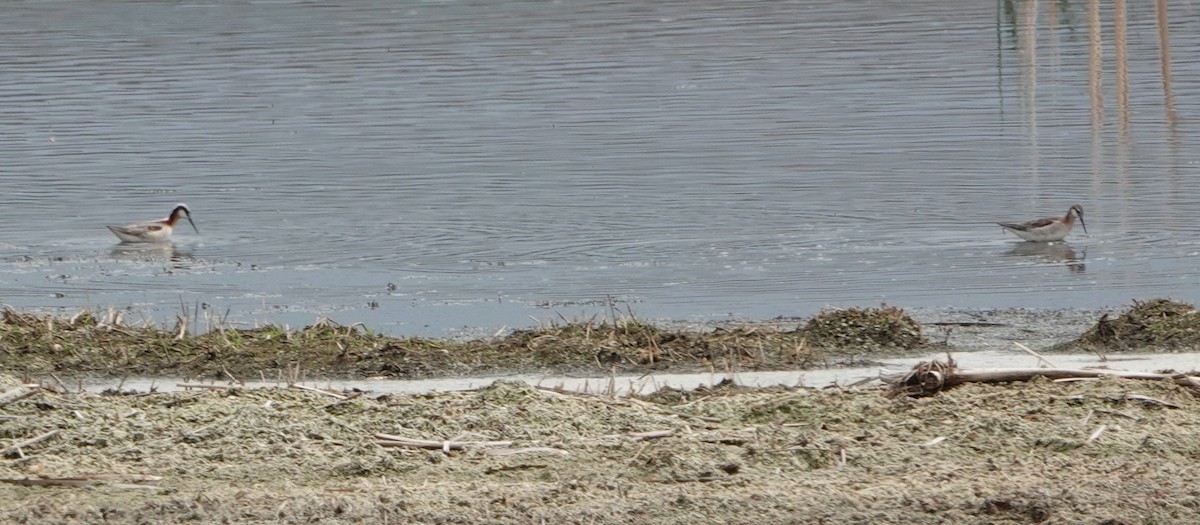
[[1122, 64], [1164, 57], [1027, 44], [1095, 67]]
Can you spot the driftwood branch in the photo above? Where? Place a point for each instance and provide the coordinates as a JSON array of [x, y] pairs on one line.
[[929, 378]]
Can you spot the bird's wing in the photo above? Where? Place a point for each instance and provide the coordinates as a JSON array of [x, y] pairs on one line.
[[137, 229], [1026, 226]]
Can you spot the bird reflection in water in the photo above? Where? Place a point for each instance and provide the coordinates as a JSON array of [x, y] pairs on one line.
[[1056, 252], [152, 252]]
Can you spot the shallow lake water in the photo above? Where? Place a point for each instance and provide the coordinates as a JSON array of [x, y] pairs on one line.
[[425, 167]]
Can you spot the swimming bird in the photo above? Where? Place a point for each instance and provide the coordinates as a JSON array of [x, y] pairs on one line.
[[154, 231], [1048, 229]]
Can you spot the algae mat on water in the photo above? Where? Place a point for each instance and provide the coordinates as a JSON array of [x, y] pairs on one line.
[[1030, 452]]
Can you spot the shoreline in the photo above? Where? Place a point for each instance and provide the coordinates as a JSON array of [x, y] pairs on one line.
[[104, 347]]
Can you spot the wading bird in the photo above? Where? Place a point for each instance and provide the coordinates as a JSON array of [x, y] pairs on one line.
[[154, 231], [1048, 229]]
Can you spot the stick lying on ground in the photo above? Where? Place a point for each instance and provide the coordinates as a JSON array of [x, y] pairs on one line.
[[932, 377], [388, 440], [132, 481], [17, 394], [16, 447]]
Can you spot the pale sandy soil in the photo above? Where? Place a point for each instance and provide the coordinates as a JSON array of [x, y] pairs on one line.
[[1108, 451]]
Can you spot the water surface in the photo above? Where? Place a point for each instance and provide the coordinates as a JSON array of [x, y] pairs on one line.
[[423, 167]]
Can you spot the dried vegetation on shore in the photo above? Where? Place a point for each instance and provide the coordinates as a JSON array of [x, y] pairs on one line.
[[1029, 452], [1033, 451], [86, 343]]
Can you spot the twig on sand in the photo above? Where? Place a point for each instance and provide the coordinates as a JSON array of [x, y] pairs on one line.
[[1116, 413], [389, 440], [16, 394], [344, 400], [697, 479], [1149, 400], [207, 387], [1030, 351], [232, 379], [654, 434], [1095, 435], [83, 481], [61, 386], [933, 441], [49, 482], [17, 447], [523, 451], [317, 390]]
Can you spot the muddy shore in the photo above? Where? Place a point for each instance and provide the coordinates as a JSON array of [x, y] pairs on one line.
[[1102, 451]]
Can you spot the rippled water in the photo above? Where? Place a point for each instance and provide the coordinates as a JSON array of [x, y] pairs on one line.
[[425, 166]]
